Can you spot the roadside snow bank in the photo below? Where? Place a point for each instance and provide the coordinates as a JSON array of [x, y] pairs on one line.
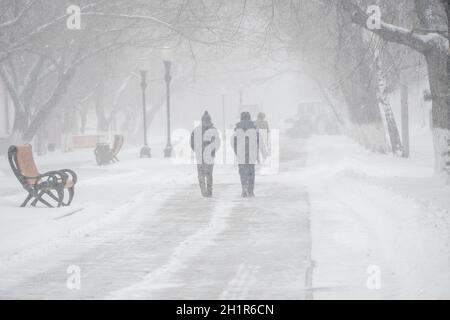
[[366, 214]]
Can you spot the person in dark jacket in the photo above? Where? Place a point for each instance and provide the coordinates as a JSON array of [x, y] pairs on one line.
[[245, 145], [205, 141]]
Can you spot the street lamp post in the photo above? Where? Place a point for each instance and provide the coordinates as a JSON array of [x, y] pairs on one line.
[[145, 150], [168, 78], [224, 127]]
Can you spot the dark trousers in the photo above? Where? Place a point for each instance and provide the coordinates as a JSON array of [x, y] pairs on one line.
[[205, 178], [247, 174]]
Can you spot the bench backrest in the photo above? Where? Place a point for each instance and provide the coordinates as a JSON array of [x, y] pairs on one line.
[[22, 163], [118, 143], [85, 141]]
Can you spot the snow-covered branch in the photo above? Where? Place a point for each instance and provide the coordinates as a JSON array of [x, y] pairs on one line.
[[19, 17], [149, 19], [397, 34]]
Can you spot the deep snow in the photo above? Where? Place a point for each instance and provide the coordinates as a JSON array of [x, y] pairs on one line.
[[375, 210]]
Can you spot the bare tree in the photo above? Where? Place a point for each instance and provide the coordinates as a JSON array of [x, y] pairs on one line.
[[429, 40], [39, 54]]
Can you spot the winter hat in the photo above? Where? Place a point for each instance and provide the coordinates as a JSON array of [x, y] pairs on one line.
[[245, 116], [206, 118]]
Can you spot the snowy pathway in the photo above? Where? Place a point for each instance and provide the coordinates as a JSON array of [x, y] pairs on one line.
[[315, 230], [186, 247]]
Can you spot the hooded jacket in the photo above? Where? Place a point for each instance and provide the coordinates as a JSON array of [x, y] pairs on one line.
[[246, 129], [205, 138]]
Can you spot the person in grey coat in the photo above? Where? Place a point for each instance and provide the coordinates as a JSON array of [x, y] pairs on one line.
[[246, 145], [205, 141], [263, 129]]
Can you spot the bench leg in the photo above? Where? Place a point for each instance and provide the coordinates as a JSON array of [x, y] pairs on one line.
[[36, 199], [39, 198], [28, 198], [45, 202], [59, 199], [71, 194], [60, 196]]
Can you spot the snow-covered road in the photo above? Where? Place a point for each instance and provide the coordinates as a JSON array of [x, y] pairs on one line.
[[171, 243], [335, 220]]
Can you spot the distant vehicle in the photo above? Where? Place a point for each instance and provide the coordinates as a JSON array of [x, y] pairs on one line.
[[313, 117]]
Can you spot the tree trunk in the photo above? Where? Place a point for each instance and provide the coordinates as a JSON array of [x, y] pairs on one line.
[[437, 74], [50, 105], [6, 115], [359, 89], [441, 137], [405, 119], [41, 142], [20, 125], [83, 120], [385, 107], [436, 58], [447, 10], [102, 122]]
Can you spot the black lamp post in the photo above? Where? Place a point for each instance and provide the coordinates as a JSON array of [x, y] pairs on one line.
[[224, 127], [145, 150], [168, 78]]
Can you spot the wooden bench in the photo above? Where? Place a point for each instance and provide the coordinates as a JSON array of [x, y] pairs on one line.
[[51, 184], [104, 155], [85, 141]]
